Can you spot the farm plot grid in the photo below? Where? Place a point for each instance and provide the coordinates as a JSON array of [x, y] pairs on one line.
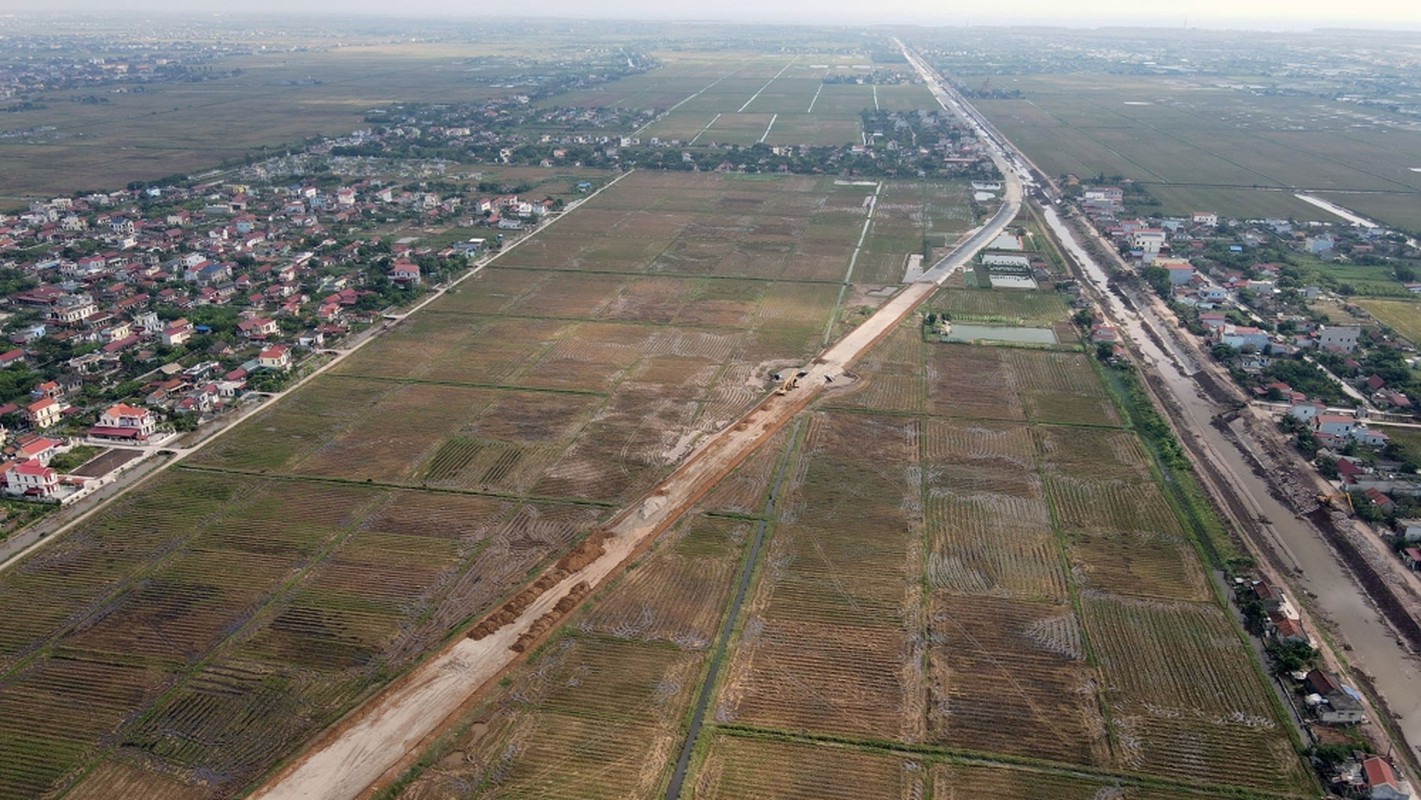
[[1198, 145], [912, 217], [732, 98], [597, 712], [385, 504], [931, 612], [954, 583], [211, 673]]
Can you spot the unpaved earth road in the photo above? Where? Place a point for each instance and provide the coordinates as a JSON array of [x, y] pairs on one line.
[[373, 743], [377, 737]]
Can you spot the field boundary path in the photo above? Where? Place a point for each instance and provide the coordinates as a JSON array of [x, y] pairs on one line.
[[767, 85], [377, 739], [732, 618], [685, 100]]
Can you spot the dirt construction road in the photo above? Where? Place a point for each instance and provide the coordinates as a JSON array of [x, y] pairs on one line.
[[377, 737]]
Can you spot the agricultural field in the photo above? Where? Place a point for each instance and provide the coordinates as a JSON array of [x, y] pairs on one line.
[[965, 581], [947, 601], [595, 712], [912, 217], [1198, 144], [388, 503], [1016, 384], [729, 97], [988, 584], [928, 582], [1395, 209], [323, 590], [280, 98], [1402, 316], [1364, 280], [1043, 308]]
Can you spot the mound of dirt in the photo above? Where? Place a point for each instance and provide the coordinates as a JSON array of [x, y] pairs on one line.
[[587, 551], [546, 622]]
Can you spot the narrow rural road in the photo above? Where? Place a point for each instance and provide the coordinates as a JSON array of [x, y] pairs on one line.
[[373, 743]]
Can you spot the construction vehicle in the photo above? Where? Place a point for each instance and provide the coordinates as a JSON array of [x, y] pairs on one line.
[[1337, 501], [789, 383]]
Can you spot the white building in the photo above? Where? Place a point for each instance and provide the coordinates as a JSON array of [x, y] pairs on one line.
[[123, 421], [1341, 339], [31, 479], [1006, 260]]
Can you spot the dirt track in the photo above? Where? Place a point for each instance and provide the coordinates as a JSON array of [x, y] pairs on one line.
[[377, 737]]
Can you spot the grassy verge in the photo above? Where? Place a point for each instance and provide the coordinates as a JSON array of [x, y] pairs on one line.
[[1216, 545]]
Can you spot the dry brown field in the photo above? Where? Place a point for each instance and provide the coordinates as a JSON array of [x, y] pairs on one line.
[[940, 585], [383, 506]]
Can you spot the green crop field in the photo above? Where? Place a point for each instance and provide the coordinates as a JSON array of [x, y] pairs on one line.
[[730, 97], [278, 99], [1402, 316], [1196, 144]]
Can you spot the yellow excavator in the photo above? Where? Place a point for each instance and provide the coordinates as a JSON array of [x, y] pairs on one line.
[[1337, 501], [789, 383]]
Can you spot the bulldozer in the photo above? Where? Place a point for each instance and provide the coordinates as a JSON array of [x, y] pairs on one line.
[[1337, 501]]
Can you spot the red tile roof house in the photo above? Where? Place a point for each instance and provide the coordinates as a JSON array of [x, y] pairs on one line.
[[44, 413], [1412, 557], [274, 357], [405, 273], [177, 333], [39, 448], [1348, 470], [124, 422], [1290, 630], [1379, 500], [30, 479], [257, 328], [1382, 781]]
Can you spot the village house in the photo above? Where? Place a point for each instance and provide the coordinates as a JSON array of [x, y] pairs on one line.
[[276, 357], [1239, 337], [1334, 424], [1409, 529], [1181, 272], [1340, 339], [1330, 701], [1382, 782], [257, 328], [1377, 499], [40, 448], [44, 413], [124, 422], [405, 273], [1411, 557], [177, 333], [1104, 333], [30, 479]]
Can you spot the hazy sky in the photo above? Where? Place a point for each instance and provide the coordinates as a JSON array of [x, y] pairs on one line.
[[1210, 13]]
